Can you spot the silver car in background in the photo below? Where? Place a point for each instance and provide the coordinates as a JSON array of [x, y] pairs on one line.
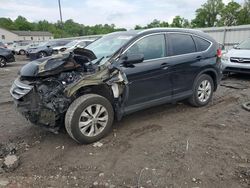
[[237, 60], [72, 45]]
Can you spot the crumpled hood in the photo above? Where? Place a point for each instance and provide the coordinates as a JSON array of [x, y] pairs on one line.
[[239, 53], [45, 65], [58, 63]]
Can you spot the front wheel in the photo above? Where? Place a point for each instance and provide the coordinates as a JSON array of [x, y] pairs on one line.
[[202, 91], [22, 52], [89, 118]]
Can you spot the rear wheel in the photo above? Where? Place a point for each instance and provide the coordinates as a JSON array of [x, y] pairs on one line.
[[22, 52], [3, 62], [202, 91], [42, 54], [89, 118]]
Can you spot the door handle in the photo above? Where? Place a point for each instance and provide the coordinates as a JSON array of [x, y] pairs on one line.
[[198, 58], [164, 66]]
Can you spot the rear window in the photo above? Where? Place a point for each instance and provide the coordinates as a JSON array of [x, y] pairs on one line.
[[201, 44], [181, 44]]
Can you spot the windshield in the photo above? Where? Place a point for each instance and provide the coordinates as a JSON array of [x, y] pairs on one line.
[[109, 44], [244, 45], [73, 43]]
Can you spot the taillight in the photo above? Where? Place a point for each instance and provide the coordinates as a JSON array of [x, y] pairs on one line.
[[219, 53]]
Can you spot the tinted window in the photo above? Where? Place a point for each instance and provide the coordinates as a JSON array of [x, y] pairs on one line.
[[152, 47], [201, 44], [181, 44]]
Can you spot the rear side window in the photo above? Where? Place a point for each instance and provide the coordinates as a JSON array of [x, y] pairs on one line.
[[181, 44], [152, 47], [201, 44]]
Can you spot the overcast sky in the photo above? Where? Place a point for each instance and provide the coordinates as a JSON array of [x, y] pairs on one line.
[[123, 13]]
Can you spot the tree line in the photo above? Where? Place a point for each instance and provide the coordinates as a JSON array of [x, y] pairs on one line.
[[211, 14]]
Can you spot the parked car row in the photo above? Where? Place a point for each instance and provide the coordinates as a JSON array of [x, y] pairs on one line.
[[38, 50], [55, 47]]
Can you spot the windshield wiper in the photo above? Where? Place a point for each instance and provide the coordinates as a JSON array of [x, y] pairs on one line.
[[99, 61]]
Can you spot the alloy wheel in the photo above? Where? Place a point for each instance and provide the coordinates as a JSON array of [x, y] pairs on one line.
[[204, 91], [93, 120], [42, 54]]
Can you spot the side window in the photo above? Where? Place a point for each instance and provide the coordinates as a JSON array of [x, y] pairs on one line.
[[201, 44], [181, 44], [152, 47]]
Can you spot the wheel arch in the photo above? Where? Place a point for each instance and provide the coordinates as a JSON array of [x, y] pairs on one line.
[[102, 90], [213, 74], [4, 58]]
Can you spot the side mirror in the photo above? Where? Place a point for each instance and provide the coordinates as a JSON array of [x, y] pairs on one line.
[[129, 60], [48, 46]]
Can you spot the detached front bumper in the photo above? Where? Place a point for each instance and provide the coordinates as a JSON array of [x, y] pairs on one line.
[[29, 104]]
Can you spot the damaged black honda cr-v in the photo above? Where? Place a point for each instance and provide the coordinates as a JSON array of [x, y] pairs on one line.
[[116, 75]]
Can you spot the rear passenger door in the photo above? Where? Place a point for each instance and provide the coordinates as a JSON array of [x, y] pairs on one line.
[[184, 63]]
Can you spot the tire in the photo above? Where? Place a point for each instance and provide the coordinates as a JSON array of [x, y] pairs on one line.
[[78, 114], [3, 62], [196, 99], [42, 54], [22, 52]]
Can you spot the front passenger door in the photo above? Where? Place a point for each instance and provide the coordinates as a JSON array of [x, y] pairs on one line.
[[148, 80]]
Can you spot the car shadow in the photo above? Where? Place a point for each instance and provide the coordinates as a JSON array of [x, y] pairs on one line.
[[240, 76]]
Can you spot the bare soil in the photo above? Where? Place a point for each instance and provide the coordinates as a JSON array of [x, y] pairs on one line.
[[172, 145]]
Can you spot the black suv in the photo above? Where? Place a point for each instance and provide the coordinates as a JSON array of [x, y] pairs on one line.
[[6, 56], [116, 75]]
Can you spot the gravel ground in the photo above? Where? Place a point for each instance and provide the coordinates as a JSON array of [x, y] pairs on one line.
[[167, 146]]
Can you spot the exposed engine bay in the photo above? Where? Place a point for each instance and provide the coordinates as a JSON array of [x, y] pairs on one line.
[[46, 87]]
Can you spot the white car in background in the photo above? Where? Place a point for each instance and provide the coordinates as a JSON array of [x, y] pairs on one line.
[[21, 48], [73, 44], [237, 60]]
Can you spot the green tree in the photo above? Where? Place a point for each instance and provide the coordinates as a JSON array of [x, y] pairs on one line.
[[209, 14], [244, 14], [72, 28], [230, 14], [180, 22], [21, 23], [7, 23], [155, 23], [43, 25]]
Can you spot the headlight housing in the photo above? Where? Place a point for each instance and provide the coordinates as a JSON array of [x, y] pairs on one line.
[[224, 57]]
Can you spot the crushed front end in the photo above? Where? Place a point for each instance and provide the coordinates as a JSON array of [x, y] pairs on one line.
[[39, 91], [42, 101], [46, 87]]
